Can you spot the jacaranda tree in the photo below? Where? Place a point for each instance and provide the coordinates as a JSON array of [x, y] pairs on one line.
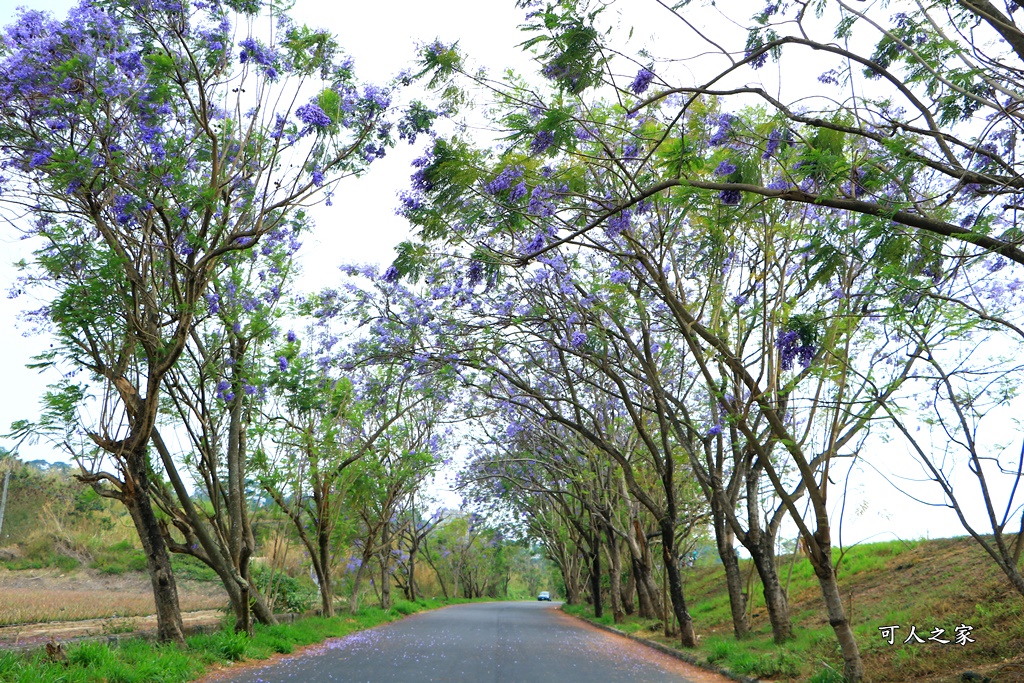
[[142, 141]]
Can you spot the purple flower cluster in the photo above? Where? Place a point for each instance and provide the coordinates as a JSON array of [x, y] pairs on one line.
[[730, 197], [758, 61], [642, 81], [724, 131], [725, 168], [263, 57], [534, 245], [792, 347], [254, 51], [542, 141], [540, 204], [774, 138], [562, 70], [312, 115], [517, 192], [376, 97], [616, 224], [504, 180], [619, 277], [420, 182], [223, 391], [475, 275], [830, 77]]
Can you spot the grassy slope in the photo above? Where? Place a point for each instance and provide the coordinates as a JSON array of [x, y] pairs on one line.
[[940, 583]]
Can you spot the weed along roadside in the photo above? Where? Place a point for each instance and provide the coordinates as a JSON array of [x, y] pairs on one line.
[[133, 659]]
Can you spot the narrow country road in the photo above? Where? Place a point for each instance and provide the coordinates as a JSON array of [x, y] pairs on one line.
[[506, 642]]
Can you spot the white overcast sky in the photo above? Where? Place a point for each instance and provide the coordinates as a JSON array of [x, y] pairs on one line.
[[362, 225]]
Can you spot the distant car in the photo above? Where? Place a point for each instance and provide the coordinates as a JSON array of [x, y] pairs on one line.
[[544, 595]]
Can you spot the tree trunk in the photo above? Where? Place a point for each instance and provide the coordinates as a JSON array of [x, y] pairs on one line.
[[260, 609], [687, 637], [385, 586], [572, 587], [353, 598], [410, 587], [158, 559], [595, 574], [821, 561], [642, 562], [733, 580], [323, 573], [774, 596], [647, 599], [239, 550], [385, 567], [615, 576], [629, 591]]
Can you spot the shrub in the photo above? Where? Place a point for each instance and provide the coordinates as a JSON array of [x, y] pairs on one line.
[[287, 593]]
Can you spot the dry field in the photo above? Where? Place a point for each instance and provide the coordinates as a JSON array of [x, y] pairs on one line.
[[34, 596]]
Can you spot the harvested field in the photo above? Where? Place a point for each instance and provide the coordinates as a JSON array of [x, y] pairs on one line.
[[35, 596]]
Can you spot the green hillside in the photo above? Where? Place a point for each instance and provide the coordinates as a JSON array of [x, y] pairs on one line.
[[929, 584]]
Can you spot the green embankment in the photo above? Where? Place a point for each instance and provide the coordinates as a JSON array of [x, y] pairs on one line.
[[932, 584]]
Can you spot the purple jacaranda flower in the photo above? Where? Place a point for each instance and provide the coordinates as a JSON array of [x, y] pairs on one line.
[[542, 141], [730, 197], [313, 115], [577, 339], [760, 60], [619, 277], [282, 363], [475, 274], [774, 138], [726, 167], [536, 244], [642, 81], [504, 180], [517, 192], [614, 225], [721, 136]]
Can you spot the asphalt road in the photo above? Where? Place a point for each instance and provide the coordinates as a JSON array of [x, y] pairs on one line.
[[503, 642]]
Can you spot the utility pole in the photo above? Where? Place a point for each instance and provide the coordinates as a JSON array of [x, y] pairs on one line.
[[3, 501]]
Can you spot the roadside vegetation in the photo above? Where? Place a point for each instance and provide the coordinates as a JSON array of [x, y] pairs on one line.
[[925, 583], [143, 661]]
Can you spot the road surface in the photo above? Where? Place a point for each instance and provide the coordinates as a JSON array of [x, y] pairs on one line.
[[501, 642]]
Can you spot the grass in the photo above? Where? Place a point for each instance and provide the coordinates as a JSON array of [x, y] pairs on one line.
[[139, 661], [939, 583]]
